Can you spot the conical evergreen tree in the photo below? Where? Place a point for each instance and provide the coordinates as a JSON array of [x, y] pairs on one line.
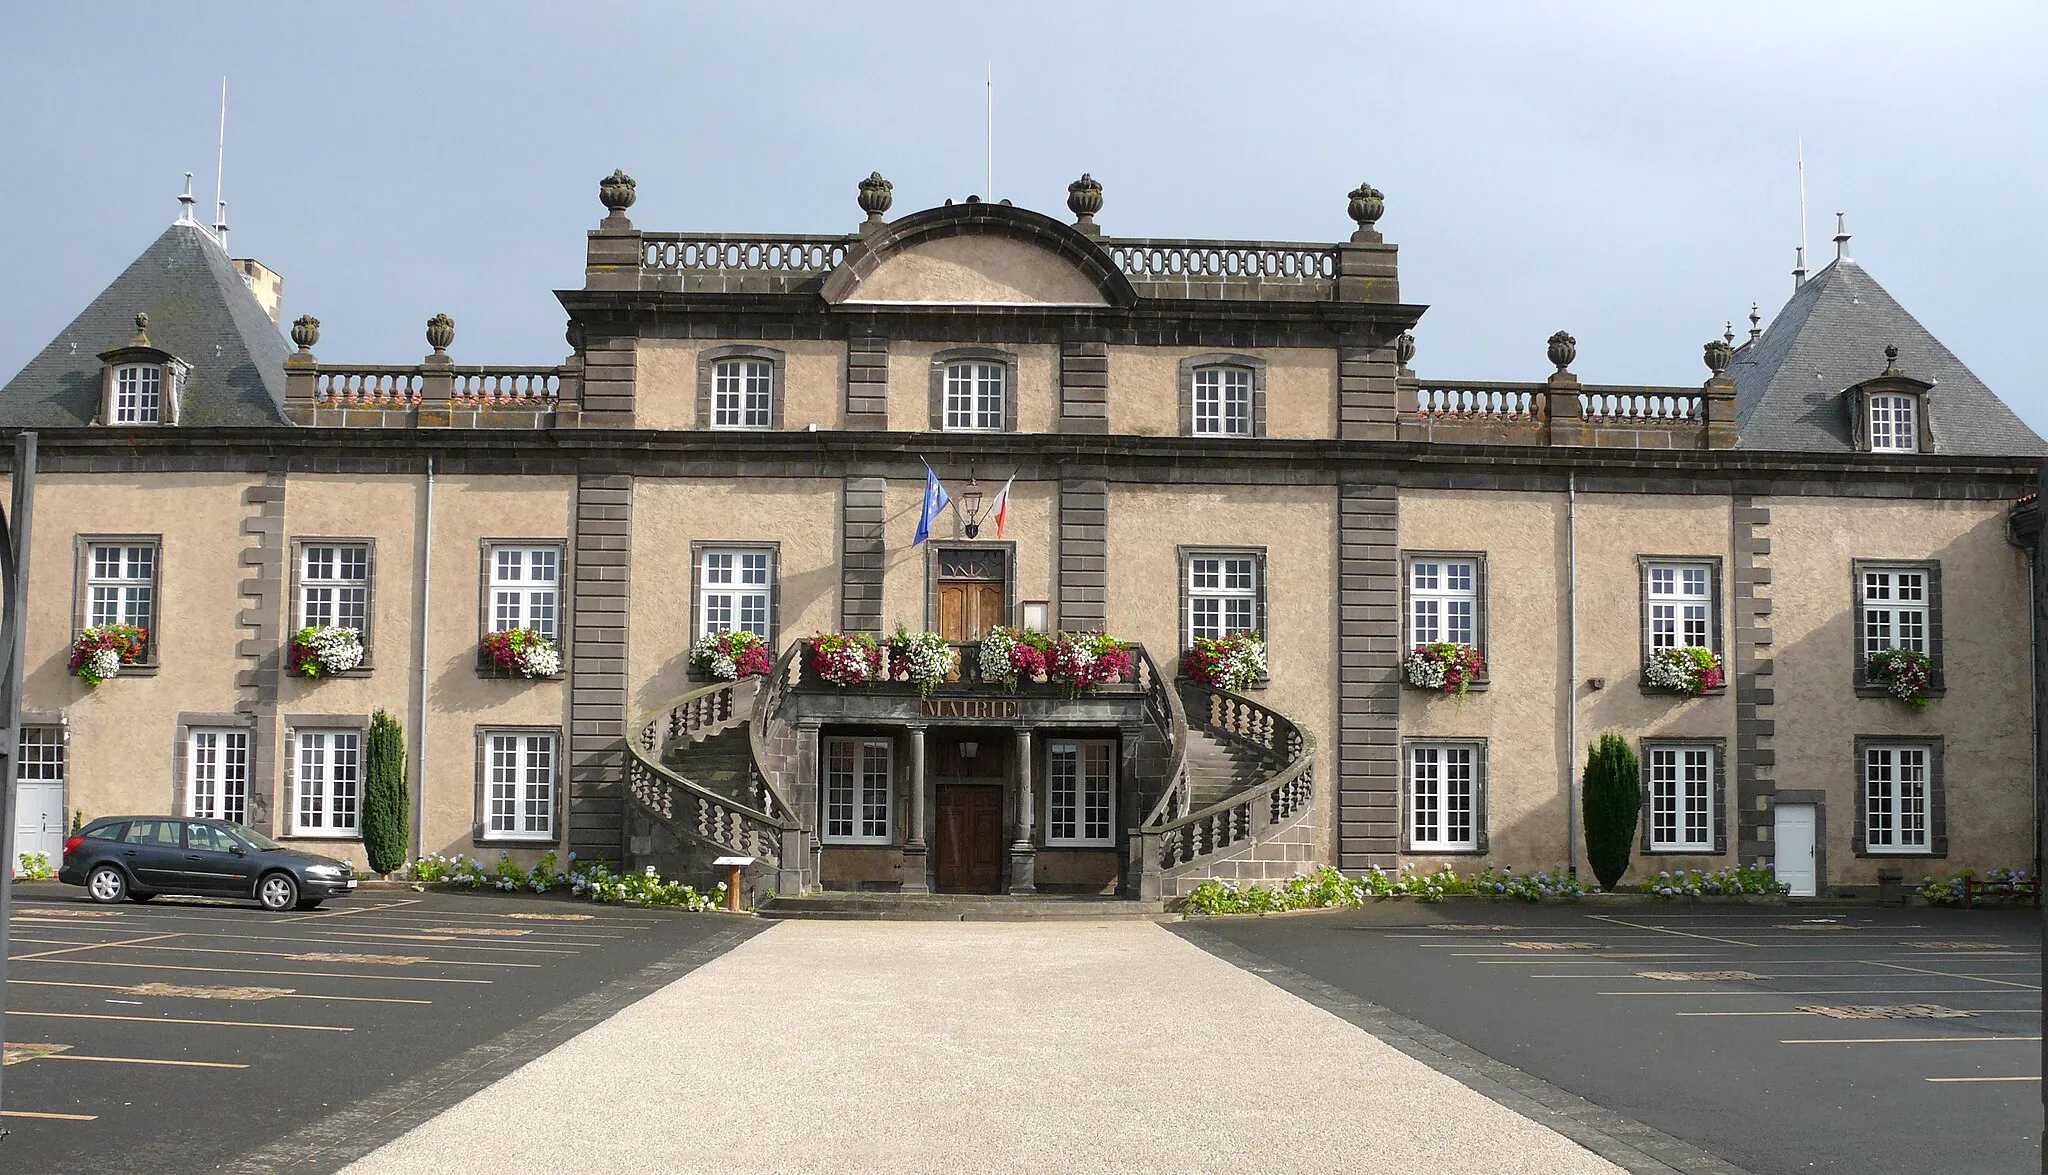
[[385, 822], [1612, 799]]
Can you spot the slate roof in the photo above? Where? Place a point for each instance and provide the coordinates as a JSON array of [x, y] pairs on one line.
[[199, 310], [1831, 335]]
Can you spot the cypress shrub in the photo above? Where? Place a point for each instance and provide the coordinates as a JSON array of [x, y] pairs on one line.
[[1612, 799], [384, 794]]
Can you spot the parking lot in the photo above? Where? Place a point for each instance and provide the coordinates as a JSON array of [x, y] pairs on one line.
[[1776, 1038], [187, 1035]]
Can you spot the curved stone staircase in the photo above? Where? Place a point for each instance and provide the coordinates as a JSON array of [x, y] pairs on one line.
[[710, 768]]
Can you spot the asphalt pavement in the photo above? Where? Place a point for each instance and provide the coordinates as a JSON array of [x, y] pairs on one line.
[[188, 1035], [1778, 1039]]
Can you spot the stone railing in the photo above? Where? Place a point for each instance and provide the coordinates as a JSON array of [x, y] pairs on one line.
[[716, 252], [1226, 269], [1163, 708], [1562, 411], [1166, 843], [507, 387], [1479, 401], [367, 386], [763, 828], [312, 386]]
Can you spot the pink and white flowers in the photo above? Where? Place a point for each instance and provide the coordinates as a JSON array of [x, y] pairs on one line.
[[844, 658], [729, 656], [1905, 674], [1443, 667], [1690, 670], [1234, 662], [524, 652]]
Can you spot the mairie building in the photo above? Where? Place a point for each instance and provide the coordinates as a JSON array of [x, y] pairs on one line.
[[1458, 584]]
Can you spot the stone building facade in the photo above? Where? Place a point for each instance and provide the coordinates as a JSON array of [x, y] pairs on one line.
[[1199, 436]]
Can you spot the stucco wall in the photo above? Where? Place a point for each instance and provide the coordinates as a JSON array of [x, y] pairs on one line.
[[977, 269], [1145, 392], [910, 383], [1031, 526], [1297, 526], [665, 381], [1984, 717], [802, 515]]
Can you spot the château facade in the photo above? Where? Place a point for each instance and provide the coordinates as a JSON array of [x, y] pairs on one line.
[[1198, 437]]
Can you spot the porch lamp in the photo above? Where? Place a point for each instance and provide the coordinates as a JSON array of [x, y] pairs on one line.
[[970, 506]]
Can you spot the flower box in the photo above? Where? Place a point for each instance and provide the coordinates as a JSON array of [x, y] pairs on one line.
[[846, 659], [101, 651], [324, 651], [924, 659], [1011, 657], [1690, 670], [1443, 668], [729, 656], [1235, 662], [1904, 674], [519, 652]]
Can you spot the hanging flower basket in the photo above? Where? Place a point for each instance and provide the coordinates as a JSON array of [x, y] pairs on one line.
[[729, 656], [99, 652], [1690, 670], [1905, 674], [325, 651], [1084, 660], [1012, 656], [923, 659], [522, 652], [1234, 662], [1443, 667], [847, 658]]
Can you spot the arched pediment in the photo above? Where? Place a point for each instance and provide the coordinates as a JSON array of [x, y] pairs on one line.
[[978, 255]]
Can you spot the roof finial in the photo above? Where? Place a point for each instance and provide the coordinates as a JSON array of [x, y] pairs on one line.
[[1728, 333], [1891, 359], [1841, 238], [185, 203], [1799, 268], [1756, 330]]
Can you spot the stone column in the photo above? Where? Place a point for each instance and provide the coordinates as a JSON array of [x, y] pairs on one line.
[[915, 878], [1023, 857]]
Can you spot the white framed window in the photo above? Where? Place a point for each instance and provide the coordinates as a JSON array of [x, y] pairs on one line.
[[519, 785], [857, 792], [1893, 427], [217, 774], [121, 584], [975, 396], [1222, 593], [1080, 792], [1680, 608], [41, 756], [329, 783], [1443, 601], [1895, 604], [1895, 787], [526, 588], [733, 591], [334, 586], [138, 394], [1681, 798], [1223, 401], [742, 393], [1443, 796]]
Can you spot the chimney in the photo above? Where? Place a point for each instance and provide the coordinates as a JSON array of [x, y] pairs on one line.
[[266, 285]]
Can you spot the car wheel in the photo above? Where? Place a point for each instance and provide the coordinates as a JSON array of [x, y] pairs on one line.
[[106, 884], [278, 892], [311, 903]]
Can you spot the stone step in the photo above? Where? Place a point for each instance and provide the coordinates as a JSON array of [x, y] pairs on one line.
[[888, 907]]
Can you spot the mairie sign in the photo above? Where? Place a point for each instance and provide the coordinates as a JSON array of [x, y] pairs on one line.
[[969, 708]]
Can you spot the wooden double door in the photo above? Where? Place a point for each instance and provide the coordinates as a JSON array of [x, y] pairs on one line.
[[972, 593], [968, 848]]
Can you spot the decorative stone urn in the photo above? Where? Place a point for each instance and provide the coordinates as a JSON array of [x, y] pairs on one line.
[[1562, 350], [1084, 199], [1718, 355], [617, 192], [440, 333], [876, 195], [573, 335], [1367, 205], [306, 332], [1404, 347]]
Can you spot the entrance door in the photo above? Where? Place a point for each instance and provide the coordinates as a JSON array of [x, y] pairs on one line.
[[971, 593], [1797, 864], [970, 839], [39, 821]]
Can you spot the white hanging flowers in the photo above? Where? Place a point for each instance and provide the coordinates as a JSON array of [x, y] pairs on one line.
[[325, 650]]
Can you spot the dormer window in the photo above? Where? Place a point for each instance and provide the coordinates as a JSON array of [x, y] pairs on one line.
[[138, 394], [1894, 426], [140, 384]]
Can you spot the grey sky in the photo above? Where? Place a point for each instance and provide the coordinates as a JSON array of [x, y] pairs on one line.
[[1622, 171]]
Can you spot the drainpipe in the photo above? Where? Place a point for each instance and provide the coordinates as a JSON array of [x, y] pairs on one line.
[[419, 723], [1571, 688]]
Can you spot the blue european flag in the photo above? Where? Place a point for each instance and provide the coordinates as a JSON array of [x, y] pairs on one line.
[[935, 500]]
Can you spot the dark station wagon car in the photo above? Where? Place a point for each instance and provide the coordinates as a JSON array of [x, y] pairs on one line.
[[139, 857]]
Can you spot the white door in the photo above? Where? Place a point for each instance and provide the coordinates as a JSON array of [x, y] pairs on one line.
[[39, 821], [1796, 865]]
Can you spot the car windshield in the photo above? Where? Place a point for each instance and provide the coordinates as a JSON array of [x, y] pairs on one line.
[[257, 839]]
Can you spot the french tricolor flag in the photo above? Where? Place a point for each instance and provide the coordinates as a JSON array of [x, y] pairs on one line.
[[999, 506]]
